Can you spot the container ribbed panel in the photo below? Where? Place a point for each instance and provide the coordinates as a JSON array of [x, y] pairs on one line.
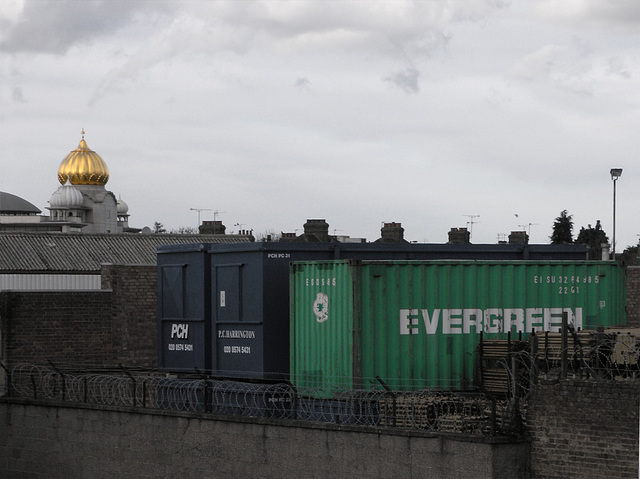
[[417, 324]]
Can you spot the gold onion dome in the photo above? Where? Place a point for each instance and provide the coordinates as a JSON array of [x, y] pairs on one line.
[[83, 166]]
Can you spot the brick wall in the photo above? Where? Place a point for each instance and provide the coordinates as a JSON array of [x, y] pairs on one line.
[[134, 313], [633, 296], [584, 429], [59, 326], [52, 441], [116, 325]]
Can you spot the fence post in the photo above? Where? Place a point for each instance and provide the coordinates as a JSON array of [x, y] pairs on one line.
[[533, 361], [208, 397], [493, 416], [33, 383], [393, 399], [564, 348], [599, 347], [546, 353], [514, 375], [133, 380], [144, 393], [478, 363], [64, 389], [8, 381]]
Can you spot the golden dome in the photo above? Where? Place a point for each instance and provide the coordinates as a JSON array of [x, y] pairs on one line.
[[83, 166]]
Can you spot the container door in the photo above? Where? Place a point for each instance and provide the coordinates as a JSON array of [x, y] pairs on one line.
[[228, 284], [237, 344], [324, 341], [181, 342]]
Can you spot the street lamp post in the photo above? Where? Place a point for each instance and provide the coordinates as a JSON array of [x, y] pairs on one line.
[[615, 174]]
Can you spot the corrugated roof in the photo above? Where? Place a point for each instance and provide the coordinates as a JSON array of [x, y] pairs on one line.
[[34, 252]]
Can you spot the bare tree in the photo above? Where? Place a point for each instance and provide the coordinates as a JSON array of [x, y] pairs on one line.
[[268, 235], [184, 230]]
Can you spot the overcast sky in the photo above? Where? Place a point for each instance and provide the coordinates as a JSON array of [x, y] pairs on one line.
[[433, 113]]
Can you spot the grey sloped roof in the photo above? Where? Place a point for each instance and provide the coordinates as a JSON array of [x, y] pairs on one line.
[[13, 204], [39, 252]]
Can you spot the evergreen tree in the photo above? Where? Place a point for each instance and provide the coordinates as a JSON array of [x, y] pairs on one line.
[[629, 256], [562, 229], [594, 238]]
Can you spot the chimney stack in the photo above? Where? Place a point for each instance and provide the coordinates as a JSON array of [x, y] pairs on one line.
[[459, 236], [318, 229], [212, 228], [518, 237], [392, 233]]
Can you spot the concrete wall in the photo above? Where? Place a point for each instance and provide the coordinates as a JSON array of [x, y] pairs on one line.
[[584, 429], [51, 442]]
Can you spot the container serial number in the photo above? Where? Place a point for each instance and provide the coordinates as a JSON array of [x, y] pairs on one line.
[[569, 290], [566, 279], [320, 281]]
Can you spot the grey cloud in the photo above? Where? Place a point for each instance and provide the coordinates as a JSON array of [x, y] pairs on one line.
[[407, 30], [54, 27], [571, 67], [537, 64], [406, 80], [619, 14], [303, 83], [415, 27], [617, 66], [17, 95]]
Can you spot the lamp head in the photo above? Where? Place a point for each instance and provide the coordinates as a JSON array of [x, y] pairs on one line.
[[616, 173]]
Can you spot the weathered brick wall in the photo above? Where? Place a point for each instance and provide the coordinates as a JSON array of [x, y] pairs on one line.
[[116, 325], [51, 442], [134, 313], [72, 327], [584, 429], [633, 296]]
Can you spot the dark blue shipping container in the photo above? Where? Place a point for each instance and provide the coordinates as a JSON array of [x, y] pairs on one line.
[[223, 309]]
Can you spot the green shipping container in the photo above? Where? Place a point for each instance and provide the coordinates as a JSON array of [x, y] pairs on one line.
[[417, 324]]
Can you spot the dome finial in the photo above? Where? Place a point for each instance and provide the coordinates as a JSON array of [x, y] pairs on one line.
[[83, 133]]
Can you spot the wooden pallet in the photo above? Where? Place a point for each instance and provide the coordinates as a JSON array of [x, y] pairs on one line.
[[428, 412], [494, 376], [550, 344], [495, 380]]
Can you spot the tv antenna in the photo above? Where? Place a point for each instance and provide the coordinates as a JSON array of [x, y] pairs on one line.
[[199, 210], [528, 225], [471, 222], [216, 213]]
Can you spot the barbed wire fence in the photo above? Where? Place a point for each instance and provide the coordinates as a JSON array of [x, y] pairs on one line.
[[429, 410], [506, 383]]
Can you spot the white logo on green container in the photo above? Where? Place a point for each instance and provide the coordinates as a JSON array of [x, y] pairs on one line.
[[321, 307]]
